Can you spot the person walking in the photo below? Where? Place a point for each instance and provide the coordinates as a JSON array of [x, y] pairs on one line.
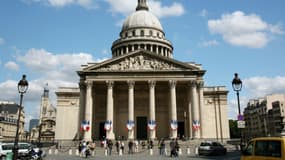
[[118, 146], [162, 147], [79, 148], [109, 146], [172, 148], [122, 147], [130, 147]]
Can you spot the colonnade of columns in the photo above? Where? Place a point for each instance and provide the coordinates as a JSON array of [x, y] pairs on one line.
[[158, 49], [195, 107]]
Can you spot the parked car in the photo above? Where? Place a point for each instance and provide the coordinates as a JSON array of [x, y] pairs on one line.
[[211, 148], [6, 148], [270, 148]]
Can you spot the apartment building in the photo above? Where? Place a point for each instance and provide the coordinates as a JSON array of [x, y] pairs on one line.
[[264, 116]]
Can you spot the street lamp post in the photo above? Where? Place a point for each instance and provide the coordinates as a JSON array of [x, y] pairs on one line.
[[237, 85], [22, 88]]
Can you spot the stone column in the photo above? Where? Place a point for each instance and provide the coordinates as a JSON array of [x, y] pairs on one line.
[[110, 109], [201, 104], [173, 112], [157, 49], [127, 49], [81, 112], [195, 109], [152, 133], [131, 108], [88, 110], [190, 130]]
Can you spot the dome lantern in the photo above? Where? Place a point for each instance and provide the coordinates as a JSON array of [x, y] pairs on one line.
[[142, 5]]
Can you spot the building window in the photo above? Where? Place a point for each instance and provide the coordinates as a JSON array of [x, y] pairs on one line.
[[142, 32], [150, 33], [134, 33]]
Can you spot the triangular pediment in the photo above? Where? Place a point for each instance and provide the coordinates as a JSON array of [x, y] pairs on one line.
[[140, 61]]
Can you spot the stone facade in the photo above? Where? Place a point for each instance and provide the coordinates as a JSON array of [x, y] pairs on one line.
[[142, 92], [265, 116], [9, 112]]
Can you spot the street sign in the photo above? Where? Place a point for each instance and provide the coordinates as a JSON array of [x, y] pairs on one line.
[[241, 124], [240, 117]]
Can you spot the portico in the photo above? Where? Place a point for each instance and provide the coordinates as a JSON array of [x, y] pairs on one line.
[[127, 99]]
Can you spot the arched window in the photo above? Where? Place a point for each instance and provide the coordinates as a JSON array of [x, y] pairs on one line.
[[134, 33], [150, 33], [142, 32]]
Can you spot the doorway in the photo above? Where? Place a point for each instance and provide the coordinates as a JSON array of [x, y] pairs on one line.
[[141, 128], [181, 129], [102, 132]]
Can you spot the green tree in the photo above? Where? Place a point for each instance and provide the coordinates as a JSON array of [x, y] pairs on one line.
[[234, 131]]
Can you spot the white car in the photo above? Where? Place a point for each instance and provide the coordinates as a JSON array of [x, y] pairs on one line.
[[8, 147]]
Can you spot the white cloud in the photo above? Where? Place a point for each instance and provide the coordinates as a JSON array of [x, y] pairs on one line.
[[62, 3], [2, 41], [175, 9], [209, 43], [58, 70], [262, 86], [244, 30], [11, 66]]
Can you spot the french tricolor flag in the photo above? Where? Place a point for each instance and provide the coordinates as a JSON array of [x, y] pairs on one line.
[[85, 126]]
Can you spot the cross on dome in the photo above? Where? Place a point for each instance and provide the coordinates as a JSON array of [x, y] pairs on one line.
[[142, 5]]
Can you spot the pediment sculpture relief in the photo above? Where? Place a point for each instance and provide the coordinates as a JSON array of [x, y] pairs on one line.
[[139, 63]]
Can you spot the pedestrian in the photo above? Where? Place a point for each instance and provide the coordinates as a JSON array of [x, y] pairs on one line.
[[122, 147], [87, 150], [172, 148], [109, 146], [177, 147], [130, 147], [83, 149], [118, 146], [79, 148], [150, 144], [162, 147], [136, 146]]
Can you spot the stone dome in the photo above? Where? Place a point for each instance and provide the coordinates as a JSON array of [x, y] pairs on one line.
[[142, 31], [141, 18]]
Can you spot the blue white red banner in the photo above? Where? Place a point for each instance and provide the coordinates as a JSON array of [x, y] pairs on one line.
[[151, 124], [85, 125], [108, 125], [173, 124], [196, 125], [130, 124]]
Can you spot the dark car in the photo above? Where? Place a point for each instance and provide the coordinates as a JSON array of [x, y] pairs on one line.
[[211, 148]]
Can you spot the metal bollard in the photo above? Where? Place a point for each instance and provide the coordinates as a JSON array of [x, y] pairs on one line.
[[179, 151], [188, 151], [120, 152], [77, 152], [196, 150], [49, 151], [70, 152], [106, 152], [150, 152], [56, 151]]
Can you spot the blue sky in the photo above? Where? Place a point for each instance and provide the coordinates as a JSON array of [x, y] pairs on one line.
[[49, 39]]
